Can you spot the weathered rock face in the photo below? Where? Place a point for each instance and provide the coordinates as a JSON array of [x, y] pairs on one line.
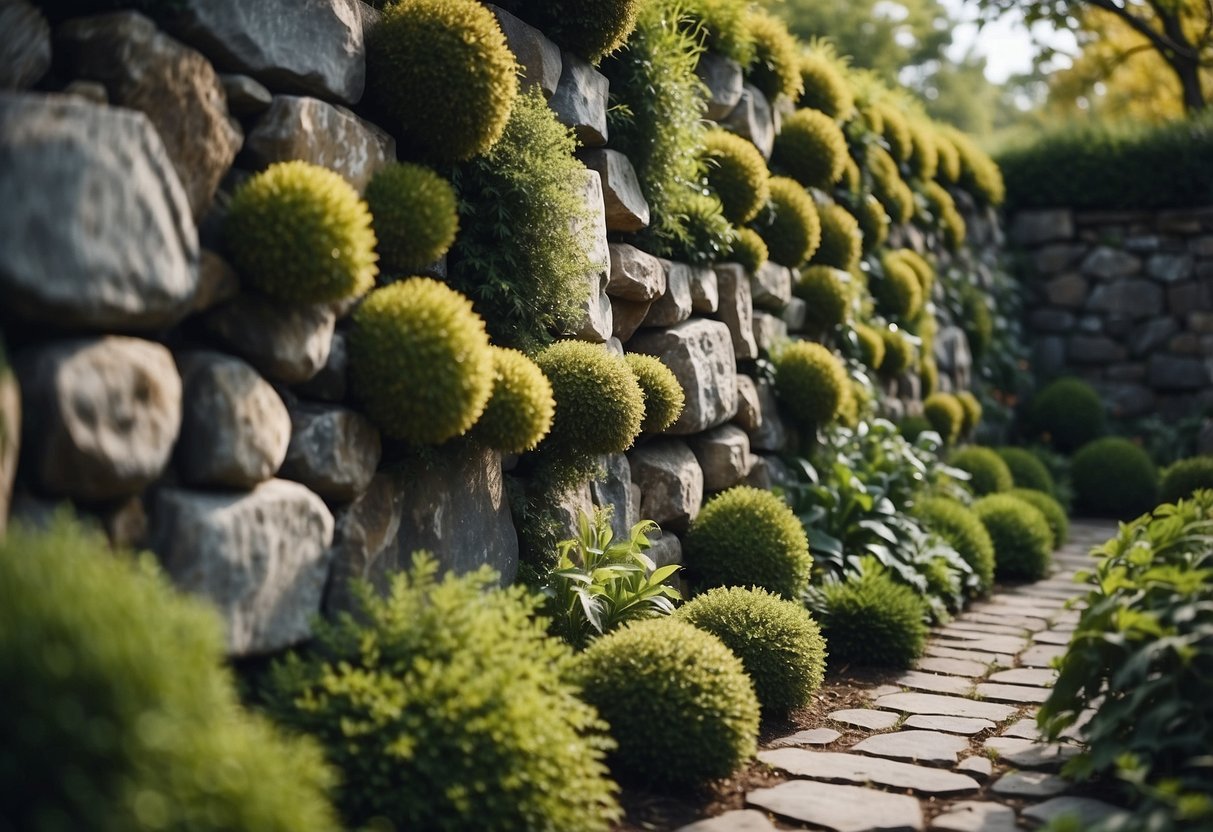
[[627, 316], [313, 48], [100, 415], [333, 450], [364, 543], [580, 100], [724, 455], [95, 229], [769, 331], [174, 86], [245, 96], [675, 305], [771, 434], [635, 275], [1031, 228], [749, 408], [723, 79], [700, 354], [705, 294], [614, 489], [626, 207], [671, 483], [538, 58], [331, 383], [594, 321], [25, 51], [217, 281], [771, 287], [10, 439], [260, 557], [736, 309], [953, 358], [752, 119], [323, 134], [235, 429], [286, 343]]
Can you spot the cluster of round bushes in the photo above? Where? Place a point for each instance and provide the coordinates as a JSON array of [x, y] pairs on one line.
[[824, 88], [792, 231], [1113, 477], [841, 239], [737, 174], [811, 148], [988, 473], [1023, 541], [600, 406], [1027, 471], [955, 523], [811, 381], [826, 292], [1068, 413], [870, 619], [1059, 523], [520, 408]]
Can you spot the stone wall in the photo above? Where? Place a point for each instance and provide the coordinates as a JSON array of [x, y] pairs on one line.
[[1124, 300], [187, 415]]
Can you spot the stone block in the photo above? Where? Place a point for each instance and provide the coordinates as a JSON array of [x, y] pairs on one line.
[[671, 483], [1201, 246], [1032, 228], [1127, 299], [364, 543], [736, 309], [1150, 335], [635, 275], [25, 50], [724, 455], [1107, 263], [1051, 320], [245, 96], [594, 319], [700, 355], [626, 207], [675, 305], [749, 408], [1068, 291], [769, 331], [1095, 349], [1132, 371], [771, 287], [580, 100], [614, 490], [1049, 355], [1189, 296], [705, 294], [795, 315], [753, 119], [285, 343], [723, 79], [627, 316], [539, 59], [1127, 400], [1170, 372], [333, 450], [331, 382], [1057, 257], [1143, 243], [771, 435]]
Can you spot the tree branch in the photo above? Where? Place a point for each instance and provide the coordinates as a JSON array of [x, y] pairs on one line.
[[1162, 42]]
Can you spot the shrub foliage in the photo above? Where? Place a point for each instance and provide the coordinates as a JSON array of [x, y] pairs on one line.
[[1022, 539], [1115, 478], [869, 619]]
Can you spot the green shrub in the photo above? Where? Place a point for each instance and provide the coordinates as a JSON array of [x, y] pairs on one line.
[[923, 270], [811, 148], [778, 642], [748, 537], [415, 215], [705, 236], [776, 67], [721, 26], [443, 75], [1059, 523], [924, 152], [520, 255], [946, 415], [958, 525], [1113, 477], [928, 374], [1068, 413], [841, 239], [749, 250], [1184, 477], [898, 352], [972, 412], [810, 380], [599, 404], [520, 409], [679, 703], [989, 474], [977, 322], [790, 228], [888, 186], [898, 291], [591, 28], [1023, 541], [444, 706], [300, 233], [826, 292], [979, 175], [911, 427], [825, 88], [895, 130], [737, 174], [951, 223], [420, 361], [873, 222], [1027, 471], [663, 395], [949, 158], [869, 619], [871, 346], [120, 714]]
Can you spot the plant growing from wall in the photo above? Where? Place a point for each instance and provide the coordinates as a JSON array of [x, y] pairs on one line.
[[520, 409], [841, 239], [749, 250], [870, 346], [720, 25], [736, 172], [811, 149], [897, 289], [592, 29], [946, 415], [873, 222], [824, 86], [790, 225], [775, 70], [810, 381], [663, 394], [888, 186], [972, 413], [899, 354], [827, 293], [415, 215]]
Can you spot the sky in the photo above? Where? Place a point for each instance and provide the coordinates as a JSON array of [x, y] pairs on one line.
[[1006, 43]]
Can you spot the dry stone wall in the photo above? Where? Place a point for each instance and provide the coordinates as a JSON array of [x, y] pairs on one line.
[[198, 419], [1124, 300]]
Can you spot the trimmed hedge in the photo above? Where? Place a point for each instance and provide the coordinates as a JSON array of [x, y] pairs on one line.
[[1027, 470], [872, 620], [1114, 478], [958, 525], [1184, 477], [1059, 523], [1023, 541], [989, 473]]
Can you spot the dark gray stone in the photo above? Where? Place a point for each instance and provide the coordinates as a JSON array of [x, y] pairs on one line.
[[1151, 335], [674, 306], [217, 281], [671, 483], [1049, 355], [840, 808], [580, 101], [752, 119], [365, 543], [930, 703], [1031, 228], [614, 490], [331, 382], [1029, 784], [286, 343], [245, 96], [749, 409], [1068, 291], [769, 331], [736, 309], [834, 766], [771, 434], [723, 79], [795, 315], [1086, 810], [539, 59], [1057, 257], [1168, 372], [1170, 268], [25, 49], [1128, 299], [333, 450], [1189, 296], [700, 354], [724, 455], [927, 747], [705, 294], [868, 718], [1095, 349], [626, 207], [1051, 320], [1105, 263], [1030, 754]]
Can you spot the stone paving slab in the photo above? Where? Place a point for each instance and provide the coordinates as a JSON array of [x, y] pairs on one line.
[[1011, 619], [1051, 637], [1036, 676], [855, 768], [966, 726], [1024, 729], [1015, 694], [925, 747], [1087, 810], [739, 820], [1010, 599], [1030, 754], [936, 684], [986, 627], [990, 644], [1041, 655], [953, 667], [813, 736], [973, 816], [930, 703], [940, 651], [1029, 784], [840, 808], [868, 718], [981, 768]]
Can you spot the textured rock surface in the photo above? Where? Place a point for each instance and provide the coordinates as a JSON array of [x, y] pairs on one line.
[[1029, 784], [752, 119], [580, 100], [771, 434], [705, 294], [594, 320], [95, 228], [700, 355], [813, 736], [749, 408], [175, 86], [10, 439], [723, 79], [739, 820], [245, 96], [100, 416], [971, 816], [671, 483], [635, 275], [1086, 810], [736, 309], [260, 557], [929, 703], [930, 747], [331, 382], [286, 343], [324, 134], [614, 489], [333, 450], [674, 306], [853, 768], [724, 455], [539, 59], [840, 808], [25, 50], [771, 287], [867, 718], [235, 428], [626, 207]]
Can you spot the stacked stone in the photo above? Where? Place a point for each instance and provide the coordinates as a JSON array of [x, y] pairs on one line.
[[1125, 301]]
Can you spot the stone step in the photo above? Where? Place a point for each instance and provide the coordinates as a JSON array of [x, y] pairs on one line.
[[930, 703], [1015, 694], [839, 808], [965, 726], [1042, 677], [941, 651], [1088, 811], [925, 747], [1029, 784], [740, 820], [974, 816], [834, 766], [872, 720], [813, 736], [1030, 754], [1041, 655], [1010, 619], [936, 684], [1052, 637]]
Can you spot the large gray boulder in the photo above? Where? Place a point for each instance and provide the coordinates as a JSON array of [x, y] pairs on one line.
[[752, 119], [723, 79], [671, 483], [539, 60], [261, 558], [100, 416], [324, 134], [700, 354], [25, 49], [95, 228], [235, 429], [285, 342], [174, 86], [614, 490], [593, 321], [580, 100], [311, 47], [364, 543], [333, 450]]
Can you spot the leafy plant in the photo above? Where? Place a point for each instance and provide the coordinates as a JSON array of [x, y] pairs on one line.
[[599, 583]]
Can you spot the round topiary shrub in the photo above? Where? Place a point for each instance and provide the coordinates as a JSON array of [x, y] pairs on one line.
[[912, 427], [778, 642], [748, 537], [810, 380], [119, 711], [811, 148], [869, 619], [420, 361], [888, 186], [520, 409], [1027, 471], [977, 323], [792, 232], [841, 239], [988, 473], [704, 236], [591, 28], [898, 352], [599, 404], [1059, 523], [972, 409], [415, 213], [959, 526], [663, 395], [300, 233], [871, 346], [1068, 413], [945, 414], [1022, 539], [852, 177], [1184, 477], [749, 249], [824, 87], [951, 224], [776, 66], [826, 292], [895, 130], [1113, 477], [928, 374], [924, 152], [444, 705], [443, 75], [737, 174], [680, 705], [922, 269], [898, 291], [873, 223], [949, 158]]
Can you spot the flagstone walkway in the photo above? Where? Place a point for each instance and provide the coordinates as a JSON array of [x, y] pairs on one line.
[[953, 745]]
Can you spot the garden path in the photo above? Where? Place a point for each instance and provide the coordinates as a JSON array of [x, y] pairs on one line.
[[952, 745]]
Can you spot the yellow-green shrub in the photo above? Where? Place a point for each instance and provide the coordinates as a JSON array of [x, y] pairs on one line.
[[826, 292], [898, 352], [1059, 523], [945, 414], [924, 151], [895, 129], [749, 249], [888, 186], [873, 222], [737, 174], [776, 67], [949, 158], [1023, 542], [1027, 471], [972, 409], [871, 346], [869, 619], [978, 173], [922, 269], [898, 291], [824, 87], [415, 215], [520, 409], [841, 239], [988, 473], [591, 28], [792, 228], [958, 525], [663, 395], [928, 374], [599, 404], [811, 148], [951, 223], [1184, 477], [1114, 478], [811, 381]]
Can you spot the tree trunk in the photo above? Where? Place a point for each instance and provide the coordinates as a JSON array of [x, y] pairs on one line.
[[1188, 73]]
